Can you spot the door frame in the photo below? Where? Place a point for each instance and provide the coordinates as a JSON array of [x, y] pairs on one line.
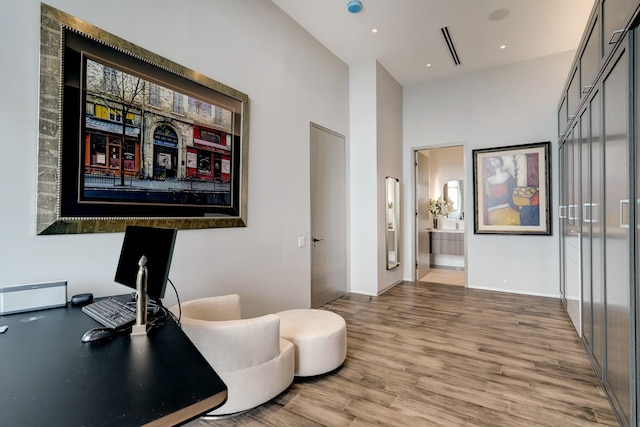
[[467, 197]]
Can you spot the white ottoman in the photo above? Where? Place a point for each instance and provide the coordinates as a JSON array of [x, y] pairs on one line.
[[319, 338]]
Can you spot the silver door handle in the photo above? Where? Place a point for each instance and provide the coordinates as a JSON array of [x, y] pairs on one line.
[[586, 212], [562, 212], [624, 203], [590, 212], [615, 36]]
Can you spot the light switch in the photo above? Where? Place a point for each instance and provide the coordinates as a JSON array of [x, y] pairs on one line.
[[302, 242]]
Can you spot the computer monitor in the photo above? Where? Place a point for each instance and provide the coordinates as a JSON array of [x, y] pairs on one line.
[[156, 244]]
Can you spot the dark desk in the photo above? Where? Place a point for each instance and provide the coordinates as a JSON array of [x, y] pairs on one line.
[[48, 377]]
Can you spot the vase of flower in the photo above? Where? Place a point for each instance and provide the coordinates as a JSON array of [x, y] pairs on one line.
[[438, 209]]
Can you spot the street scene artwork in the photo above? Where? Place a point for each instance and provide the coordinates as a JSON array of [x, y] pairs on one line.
[[177, 149], [511, 189]]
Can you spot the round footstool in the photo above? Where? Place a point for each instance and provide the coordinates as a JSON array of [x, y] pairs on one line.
[[319, 338]]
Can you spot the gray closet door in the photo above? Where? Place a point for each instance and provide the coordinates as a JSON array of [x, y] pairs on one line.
[[587, 219], [597, 231], [615, 92], [562, 214], [572, 230]]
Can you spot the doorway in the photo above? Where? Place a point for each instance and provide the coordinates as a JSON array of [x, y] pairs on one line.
[[440, 248], [328, 216]]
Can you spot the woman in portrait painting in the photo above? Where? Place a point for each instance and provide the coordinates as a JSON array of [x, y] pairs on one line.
[[499, 184]]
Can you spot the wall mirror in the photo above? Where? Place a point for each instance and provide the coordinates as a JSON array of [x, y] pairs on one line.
[[392, 209], [453, 190]]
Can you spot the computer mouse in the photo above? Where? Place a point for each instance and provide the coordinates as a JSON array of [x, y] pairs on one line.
[[81, 299], [96, 334]]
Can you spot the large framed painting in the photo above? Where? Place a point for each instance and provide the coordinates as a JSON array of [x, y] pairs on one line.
[[511, 189], [129, 137]]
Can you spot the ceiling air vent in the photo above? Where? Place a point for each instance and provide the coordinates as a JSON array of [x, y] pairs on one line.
[[449, 42]]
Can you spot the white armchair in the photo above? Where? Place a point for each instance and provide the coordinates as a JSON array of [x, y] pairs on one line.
[[248, 354]]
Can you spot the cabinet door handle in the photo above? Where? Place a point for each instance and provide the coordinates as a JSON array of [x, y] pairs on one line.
[[587, 88], [572, 217], [623, 203], [590, 212], [593, 212], [586, 212], [562, 212], [616, 36]]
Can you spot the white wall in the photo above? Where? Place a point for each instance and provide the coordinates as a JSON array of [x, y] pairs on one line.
[[389, 163], [446, 164], [375, 153], [363, 188], [515, 104], [250, 45]]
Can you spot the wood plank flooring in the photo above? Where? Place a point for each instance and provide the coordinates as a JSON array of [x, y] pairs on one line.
[[440, 355], [445, 277]]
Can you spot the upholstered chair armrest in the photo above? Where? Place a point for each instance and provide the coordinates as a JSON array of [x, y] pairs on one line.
[[226, 307], [235, 344]]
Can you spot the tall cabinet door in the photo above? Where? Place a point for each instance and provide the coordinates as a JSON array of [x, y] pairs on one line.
[[572, 243], [596, 181], [615, 97], [562, 212], [562, 216], [585, 230], [635, 216], [570, 223]]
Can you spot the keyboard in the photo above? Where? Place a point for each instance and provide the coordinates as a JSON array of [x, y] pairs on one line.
[[111, 312]]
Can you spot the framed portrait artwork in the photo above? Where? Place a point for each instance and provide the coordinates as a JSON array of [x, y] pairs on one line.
[[511, 189], [128, 137]]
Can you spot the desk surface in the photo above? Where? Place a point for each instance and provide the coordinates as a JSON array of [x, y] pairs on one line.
[[49, 377]]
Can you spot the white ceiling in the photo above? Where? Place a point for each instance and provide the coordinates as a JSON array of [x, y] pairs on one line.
[[409, 35]]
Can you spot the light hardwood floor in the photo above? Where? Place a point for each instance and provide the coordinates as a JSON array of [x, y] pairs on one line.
[[437, 355], [445, 276]]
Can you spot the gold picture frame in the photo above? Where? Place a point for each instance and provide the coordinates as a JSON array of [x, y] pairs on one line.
[[169, 151]]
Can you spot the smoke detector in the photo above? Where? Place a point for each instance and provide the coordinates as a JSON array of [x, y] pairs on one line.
[[354, 6]]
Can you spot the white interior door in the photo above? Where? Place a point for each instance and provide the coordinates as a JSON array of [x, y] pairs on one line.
[[328, 216]]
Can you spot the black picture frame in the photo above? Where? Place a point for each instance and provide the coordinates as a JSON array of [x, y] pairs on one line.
[[512, 189]]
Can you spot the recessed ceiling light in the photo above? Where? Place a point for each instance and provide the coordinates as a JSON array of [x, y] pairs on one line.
[[428, 65], [504, 46], [375, 30], [499, 14]]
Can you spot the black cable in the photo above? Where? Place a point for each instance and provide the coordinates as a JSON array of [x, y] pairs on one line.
[[158, 320], [156, 312], [179, 306]]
